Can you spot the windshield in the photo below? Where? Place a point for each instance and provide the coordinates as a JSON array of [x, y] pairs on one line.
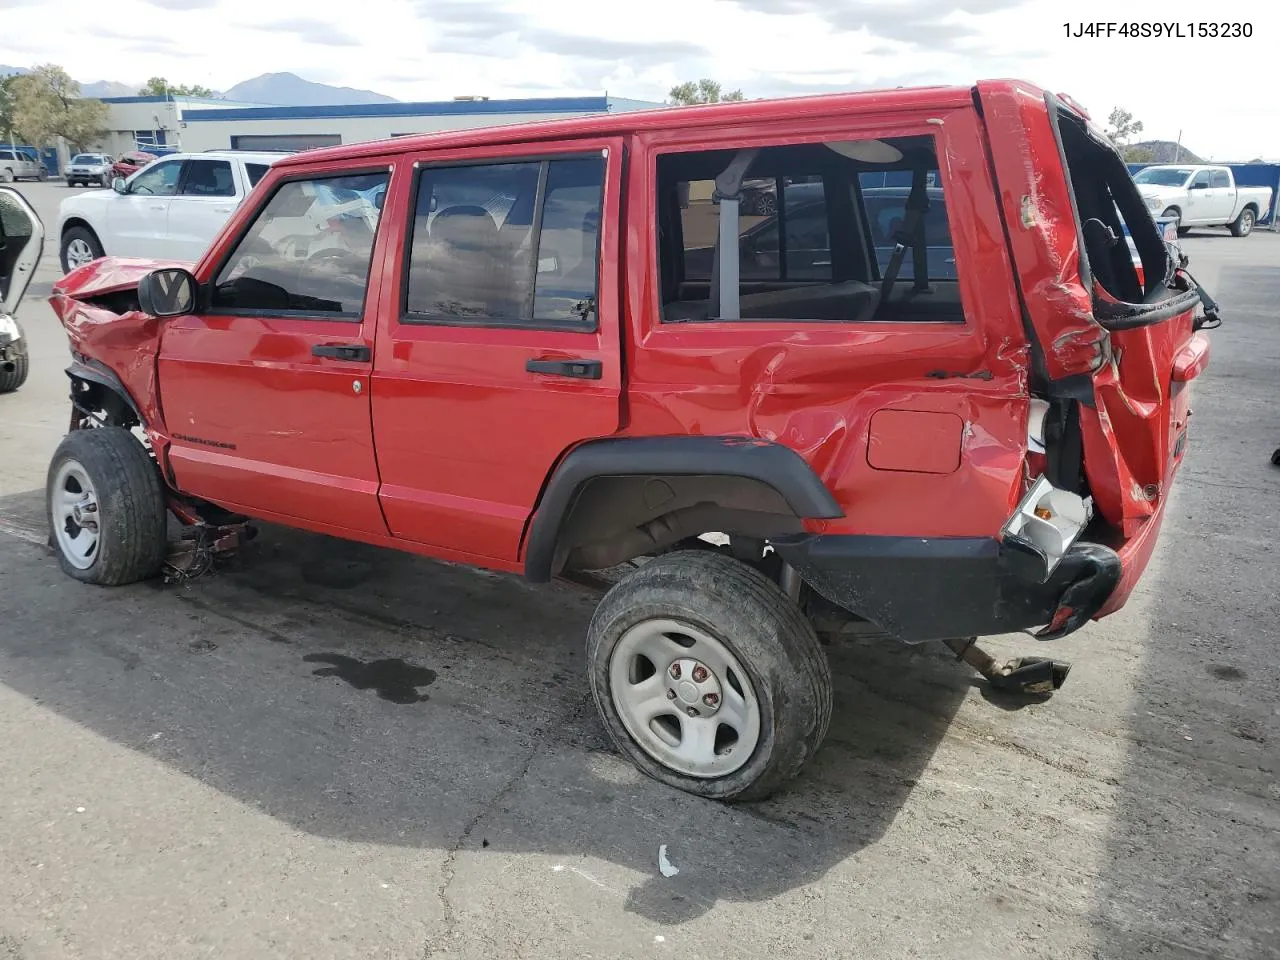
[[87, 158], [1163, 176]]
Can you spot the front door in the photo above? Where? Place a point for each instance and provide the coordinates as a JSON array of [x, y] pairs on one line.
[[205, 200], [499, 346], [138, 219], [266, 393]]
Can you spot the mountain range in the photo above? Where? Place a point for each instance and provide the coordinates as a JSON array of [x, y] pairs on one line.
[[283, 89]]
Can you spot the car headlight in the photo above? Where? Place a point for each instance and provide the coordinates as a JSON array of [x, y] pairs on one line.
[[1153, 203]]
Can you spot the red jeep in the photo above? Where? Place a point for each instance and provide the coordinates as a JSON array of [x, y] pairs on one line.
[[567, 347]]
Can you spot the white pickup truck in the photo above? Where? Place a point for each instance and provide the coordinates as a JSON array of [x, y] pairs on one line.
[[170, 209], [1200, 195]]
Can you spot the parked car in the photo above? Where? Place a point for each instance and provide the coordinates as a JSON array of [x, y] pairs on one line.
[[497, 356], [21, 243], [131, 163], [1199, 195], [171, 208], [19, 165], [87, 169]]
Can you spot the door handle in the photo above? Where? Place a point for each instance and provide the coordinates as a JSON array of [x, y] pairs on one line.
[[342, 351], [580, 369]]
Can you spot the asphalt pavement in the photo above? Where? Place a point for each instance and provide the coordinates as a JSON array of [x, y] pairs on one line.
[[334, 751]]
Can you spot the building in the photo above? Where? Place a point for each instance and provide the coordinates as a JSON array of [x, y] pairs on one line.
[[153, 123], [194, 124]]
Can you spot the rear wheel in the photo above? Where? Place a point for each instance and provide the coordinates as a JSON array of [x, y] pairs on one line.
[[106, 507], [707, 677], [1242, 226]]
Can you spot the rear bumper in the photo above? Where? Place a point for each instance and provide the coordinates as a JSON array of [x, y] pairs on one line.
[[923, 589]]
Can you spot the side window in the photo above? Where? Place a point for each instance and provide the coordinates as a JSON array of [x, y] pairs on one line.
[[1220, 179], [308, 250], [760, 257], [255, 171], [160, 180], [208, 178], [1201, 179], [884, 197], [509, 243], [834, 231]]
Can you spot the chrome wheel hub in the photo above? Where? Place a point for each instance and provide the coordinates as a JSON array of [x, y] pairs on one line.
[[73, 512], [78, 253], [684, 698]]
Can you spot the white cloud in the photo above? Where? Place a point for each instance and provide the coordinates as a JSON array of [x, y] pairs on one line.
[[1214, 90]]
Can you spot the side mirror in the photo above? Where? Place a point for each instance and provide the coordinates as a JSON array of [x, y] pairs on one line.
[[167, 293], [1199, 186], [21, 244], [118, 185]]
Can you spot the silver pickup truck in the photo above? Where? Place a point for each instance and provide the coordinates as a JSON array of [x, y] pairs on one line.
[[1200, 195]]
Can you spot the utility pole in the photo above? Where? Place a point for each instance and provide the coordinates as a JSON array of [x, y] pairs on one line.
[[1177, 148]]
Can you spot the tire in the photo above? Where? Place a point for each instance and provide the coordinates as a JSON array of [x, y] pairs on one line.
[[129, 517], [84, 235], [11, 380], [1242, 226], [710, 600], [6, 175], [1174, 214]]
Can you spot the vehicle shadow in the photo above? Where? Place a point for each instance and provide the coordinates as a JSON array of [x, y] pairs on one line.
[[376, 697], [1189, 868]]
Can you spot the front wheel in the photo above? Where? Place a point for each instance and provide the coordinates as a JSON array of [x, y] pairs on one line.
[[1174, 214], [79, 246], [1242, 226], [707, 677], [106, 507]]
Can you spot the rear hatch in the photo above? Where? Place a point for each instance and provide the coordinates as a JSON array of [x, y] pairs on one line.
[[1115, 340]]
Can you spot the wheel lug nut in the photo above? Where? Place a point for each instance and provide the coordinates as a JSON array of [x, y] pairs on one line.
[[699, 674], [675, 671], [711, 699], [671, 694], [692, 711]]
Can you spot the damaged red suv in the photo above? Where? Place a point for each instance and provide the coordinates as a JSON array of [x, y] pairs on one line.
[[928, 392]]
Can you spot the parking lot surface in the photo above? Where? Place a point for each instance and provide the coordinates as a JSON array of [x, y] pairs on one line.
[[334, 751]]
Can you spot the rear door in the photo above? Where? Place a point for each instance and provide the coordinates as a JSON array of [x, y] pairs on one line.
[[207, 196], [1119, 348], [1223, 194], [499, 341]]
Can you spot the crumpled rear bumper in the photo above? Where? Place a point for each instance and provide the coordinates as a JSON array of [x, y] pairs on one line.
[[921, 589]]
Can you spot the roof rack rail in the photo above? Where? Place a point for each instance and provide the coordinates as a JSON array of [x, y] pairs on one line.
[[238, 150]]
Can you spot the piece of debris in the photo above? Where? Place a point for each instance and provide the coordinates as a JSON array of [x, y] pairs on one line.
[[668, 868], [79, 809]]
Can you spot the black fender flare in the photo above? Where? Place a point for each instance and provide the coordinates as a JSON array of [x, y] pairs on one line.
[[770, 463], [91, 371]]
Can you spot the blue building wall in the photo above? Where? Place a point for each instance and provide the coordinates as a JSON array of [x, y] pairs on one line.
[[1247, 175]]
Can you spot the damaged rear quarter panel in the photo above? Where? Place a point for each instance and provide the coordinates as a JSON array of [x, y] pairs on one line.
[[815, 387]]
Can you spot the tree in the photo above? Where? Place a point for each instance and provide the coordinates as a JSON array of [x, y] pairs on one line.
[[701, 91], [1122, 127], [47, 104], [160, 87], [6, 105], [1138, 154]]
